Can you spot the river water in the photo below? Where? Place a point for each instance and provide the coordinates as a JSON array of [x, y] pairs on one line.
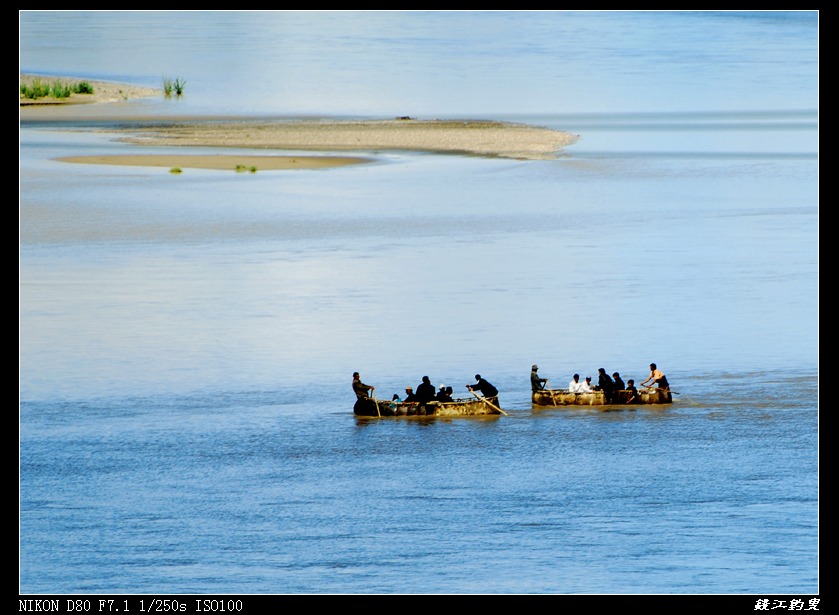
[[186, 342]]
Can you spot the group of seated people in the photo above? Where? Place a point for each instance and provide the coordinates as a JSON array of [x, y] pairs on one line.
[[615, 390], [444, 393], [613, 386], [609, 385], [425, 392], [421, 402], [415, 403]]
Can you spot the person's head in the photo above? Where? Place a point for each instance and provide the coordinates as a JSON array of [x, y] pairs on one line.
[[443, 387], [355, 374], [449, 390], [577, 377], [395, 396], [616, 375], [409, 390], [477, 376], [630, 382], [601, 370], [652, 365], [426, 379], [535, 368], [588, 378]]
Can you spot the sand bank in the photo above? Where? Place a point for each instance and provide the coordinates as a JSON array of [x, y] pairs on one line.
[[241, 164], [470, 137], [103, 92], [463, 137]]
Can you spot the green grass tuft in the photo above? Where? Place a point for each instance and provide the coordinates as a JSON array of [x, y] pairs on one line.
[[83, 87], [173, 86], [61, 90], [56, 89]]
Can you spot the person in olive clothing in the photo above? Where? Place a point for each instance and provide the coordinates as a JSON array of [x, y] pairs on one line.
[[536, 383], [364, 406]]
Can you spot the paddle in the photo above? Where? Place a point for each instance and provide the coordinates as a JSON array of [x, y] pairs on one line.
[[651, 389], [545, 388], [490, 404]]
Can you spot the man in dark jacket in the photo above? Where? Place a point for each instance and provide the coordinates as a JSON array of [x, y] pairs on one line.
[[483, 386], [425, 393], [605, 384]]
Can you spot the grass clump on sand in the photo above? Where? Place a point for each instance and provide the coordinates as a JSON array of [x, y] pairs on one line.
[[175, 170], [56, 89], [240, 168]]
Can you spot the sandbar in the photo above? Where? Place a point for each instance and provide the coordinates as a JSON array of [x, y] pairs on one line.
[[469, 137], [228, 162], [103, 92]]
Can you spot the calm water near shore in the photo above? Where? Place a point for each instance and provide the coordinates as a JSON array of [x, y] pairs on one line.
[[187, 341]]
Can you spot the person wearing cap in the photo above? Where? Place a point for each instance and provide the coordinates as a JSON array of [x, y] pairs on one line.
[[444, 393], [409, 404], [536, 383], [362, 391], [585, 387], [364, 406]]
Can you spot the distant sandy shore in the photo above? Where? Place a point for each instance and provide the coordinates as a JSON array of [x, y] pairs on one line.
[[464, 137], [241, 164], [103, 92]]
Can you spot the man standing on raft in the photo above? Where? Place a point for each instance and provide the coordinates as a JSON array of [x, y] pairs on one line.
[[364, 406], [657, 378]]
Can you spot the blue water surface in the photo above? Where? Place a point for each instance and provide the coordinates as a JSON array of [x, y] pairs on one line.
[[186, 342]]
